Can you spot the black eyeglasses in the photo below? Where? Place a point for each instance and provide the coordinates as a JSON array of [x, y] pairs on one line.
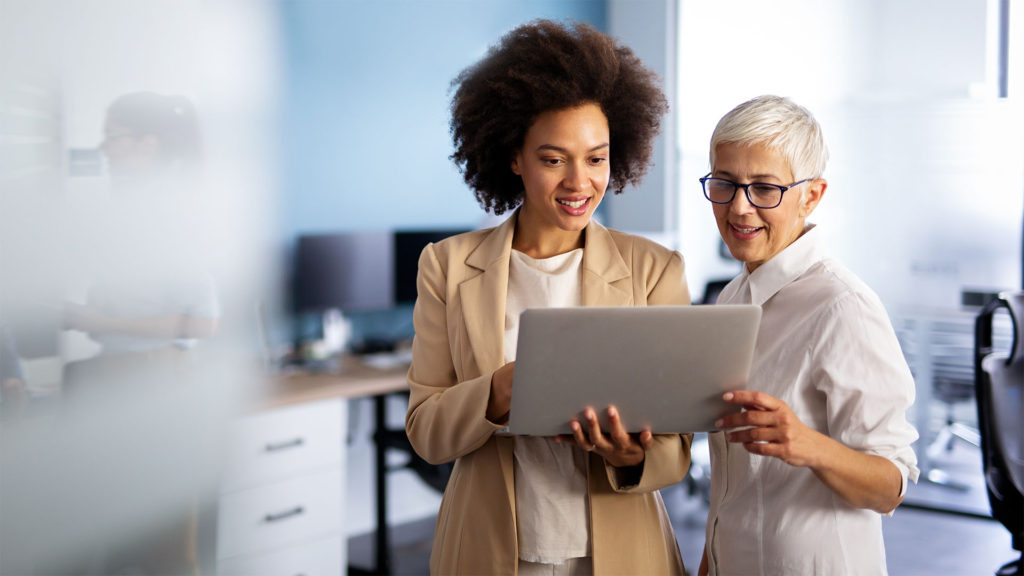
[[759, 194]]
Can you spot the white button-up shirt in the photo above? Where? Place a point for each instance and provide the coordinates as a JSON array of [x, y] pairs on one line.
[[825, 347]]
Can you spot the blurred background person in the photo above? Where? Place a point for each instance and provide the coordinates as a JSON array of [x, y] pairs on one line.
[[151, 138], [148, 303], [150, 297]]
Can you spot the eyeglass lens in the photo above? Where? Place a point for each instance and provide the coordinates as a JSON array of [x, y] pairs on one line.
[[760, 195]]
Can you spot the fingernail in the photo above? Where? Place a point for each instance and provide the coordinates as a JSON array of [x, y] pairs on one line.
[[727, 396], [612, 411], [574, 425], [718, 423]]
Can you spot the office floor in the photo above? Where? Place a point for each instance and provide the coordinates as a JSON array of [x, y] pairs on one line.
[[919, 541]]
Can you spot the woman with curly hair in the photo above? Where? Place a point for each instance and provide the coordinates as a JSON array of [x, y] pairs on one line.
[[543, 125]]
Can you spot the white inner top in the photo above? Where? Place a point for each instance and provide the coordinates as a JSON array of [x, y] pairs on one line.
[[551, 479]]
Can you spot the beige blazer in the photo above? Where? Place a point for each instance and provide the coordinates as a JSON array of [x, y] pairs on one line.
[[459, 321]]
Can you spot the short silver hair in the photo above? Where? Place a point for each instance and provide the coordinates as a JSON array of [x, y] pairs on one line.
[[779, 124]]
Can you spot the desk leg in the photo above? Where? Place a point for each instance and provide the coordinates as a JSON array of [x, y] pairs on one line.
[[382, 565], [381, 451]]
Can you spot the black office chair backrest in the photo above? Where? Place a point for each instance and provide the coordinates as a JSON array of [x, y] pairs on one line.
[[712, 289], [1000, 386]]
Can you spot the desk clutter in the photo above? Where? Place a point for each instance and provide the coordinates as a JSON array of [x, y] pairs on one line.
[[388, 360]]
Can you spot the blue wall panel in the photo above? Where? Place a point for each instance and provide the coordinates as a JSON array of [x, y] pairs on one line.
[[365, 107]]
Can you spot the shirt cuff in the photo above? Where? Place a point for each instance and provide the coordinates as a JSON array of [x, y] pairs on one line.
[[906, 474]]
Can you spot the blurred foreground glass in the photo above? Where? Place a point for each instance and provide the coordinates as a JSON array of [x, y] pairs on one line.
[[129, 290]]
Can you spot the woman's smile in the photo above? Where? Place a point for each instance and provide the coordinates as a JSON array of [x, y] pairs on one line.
[[745, 233], [574, 206]]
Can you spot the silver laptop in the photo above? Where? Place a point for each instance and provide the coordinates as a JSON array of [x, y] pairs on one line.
[[662, 366]]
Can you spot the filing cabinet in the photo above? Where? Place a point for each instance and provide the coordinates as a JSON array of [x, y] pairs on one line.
[[281, 506]]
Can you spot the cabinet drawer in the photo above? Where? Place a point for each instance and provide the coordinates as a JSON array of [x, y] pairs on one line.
[[281, 443], [320, 558], [281, 514]]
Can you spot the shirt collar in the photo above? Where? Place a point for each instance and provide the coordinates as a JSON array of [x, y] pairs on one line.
[[784, 267]]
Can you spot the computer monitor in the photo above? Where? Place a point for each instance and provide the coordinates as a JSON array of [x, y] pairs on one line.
[[408, 244], [369, 276], [350, 271]]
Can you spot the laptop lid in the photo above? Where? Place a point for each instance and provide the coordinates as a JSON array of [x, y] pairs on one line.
[[661, 366]]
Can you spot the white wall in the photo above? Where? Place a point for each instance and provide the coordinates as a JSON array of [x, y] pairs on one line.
[[925, 180]]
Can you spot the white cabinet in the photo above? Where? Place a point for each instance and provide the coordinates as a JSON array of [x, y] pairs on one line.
[[282, 495], [317, 558]]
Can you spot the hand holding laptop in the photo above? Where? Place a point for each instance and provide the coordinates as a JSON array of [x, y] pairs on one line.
[[618, 447], [501, 394]]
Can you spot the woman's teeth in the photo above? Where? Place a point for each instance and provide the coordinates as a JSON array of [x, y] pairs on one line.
[[575, 204]]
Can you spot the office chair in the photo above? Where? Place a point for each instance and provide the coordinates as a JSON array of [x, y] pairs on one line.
[[1000, 387], [435, 476], [712, 289], [953, 383], [940, 352], [395, 439]]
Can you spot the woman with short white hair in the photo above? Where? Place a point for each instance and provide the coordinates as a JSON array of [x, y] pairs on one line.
[[801, 476]]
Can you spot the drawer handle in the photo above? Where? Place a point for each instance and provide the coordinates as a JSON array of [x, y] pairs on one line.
[[277, 447], [283, 515]]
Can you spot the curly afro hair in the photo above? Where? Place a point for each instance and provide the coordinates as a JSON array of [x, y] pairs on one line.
[[544, 66]]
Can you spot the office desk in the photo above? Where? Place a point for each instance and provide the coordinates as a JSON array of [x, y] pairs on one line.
[[353, 379]]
